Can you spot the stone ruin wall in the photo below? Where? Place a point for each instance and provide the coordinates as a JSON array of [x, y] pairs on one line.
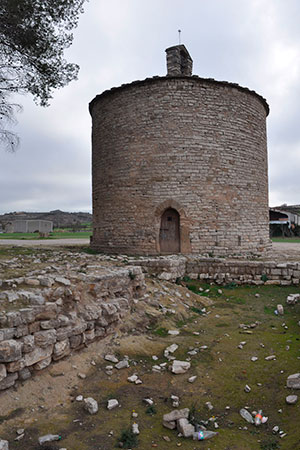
[[64, 318], [72, 313], [222, 271], [195, 145]]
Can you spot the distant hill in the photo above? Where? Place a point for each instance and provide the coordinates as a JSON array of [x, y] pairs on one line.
[[59, 218]]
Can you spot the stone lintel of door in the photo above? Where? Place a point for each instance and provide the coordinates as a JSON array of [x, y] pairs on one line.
[[185, 243]]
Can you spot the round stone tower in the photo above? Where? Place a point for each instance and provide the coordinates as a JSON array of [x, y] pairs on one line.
[[179, 165]]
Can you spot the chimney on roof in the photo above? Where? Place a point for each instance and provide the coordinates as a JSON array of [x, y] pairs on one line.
[[179, 62]]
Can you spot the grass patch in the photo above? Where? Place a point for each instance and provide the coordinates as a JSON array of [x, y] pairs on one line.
[[268, 310], [151, 410], [295, 240], [128, 439], [196, 310], [163, 332]]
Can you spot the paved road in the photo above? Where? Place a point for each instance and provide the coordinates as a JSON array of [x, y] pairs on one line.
[[42, 242]]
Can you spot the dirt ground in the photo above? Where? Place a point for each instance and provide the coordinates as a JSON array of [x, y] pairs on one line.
[[46, 403]]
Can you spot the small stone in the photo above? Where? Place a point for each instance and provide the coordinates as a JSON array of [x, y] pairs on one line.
[[91, 405], [173, 332], [247, 388], [254, 358], [166, 438], [209, 406], [171, 349], [270, 358], [179, 367], [132, 378], [275, 429], [3, 445], [82, 376], [293, 381], [192, 379], [122, 364], [257, 295], [176, 414], [111, 404], [291, 399], [111, 358], [79, 398], [63, 281], [148, 401]]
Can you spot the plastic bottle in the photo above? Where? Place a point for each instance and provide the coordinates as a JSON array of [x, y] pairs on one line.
[[49, 438], [246, 415], [258, 417], [202, 435]]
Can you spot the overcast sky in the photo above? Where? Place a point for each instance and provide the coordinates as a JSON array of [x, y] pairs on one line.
[[255, 43]]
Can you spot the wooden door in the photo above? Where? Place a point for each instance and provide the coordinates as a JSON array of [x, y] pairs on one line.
[[169, 235]]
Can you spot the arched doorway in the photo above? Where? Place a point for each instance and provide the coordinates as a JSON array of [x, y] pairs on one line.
[[169, 234]]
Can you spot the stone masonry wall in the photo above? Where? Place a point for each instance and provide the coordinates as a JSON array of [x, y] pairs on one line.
[[195, 145], [222, 271], [62, 315]]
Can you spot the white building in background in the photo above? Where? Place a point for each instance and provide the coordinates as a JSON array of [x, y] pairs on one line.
[[29, 226]]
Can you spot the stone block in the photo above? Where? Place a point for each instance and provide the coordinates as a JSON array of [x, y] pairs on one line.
[[7, 333], [38, 354], [176, 414], [3, 372], [76, 341], [61, 349], [16, 365], [63, 333], [186, 428], [28, 343], [43, 364], [24, 374], [8, 382], [45, 338], [10, 350]]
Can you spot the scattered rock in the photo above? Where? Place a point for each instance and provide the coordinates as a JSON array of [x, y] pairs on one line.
[[3, 445], [122, 364], [176, 414], [293, 381], [48, 438], [291, 399], [171, 349], [247, 388], [132, 378], [192, 379], [254, 358], [209, 406], [292, 299], [179, 367], [270, 358], [91, 405], [111, 404], [185, 428], [111, 358], [173, 332]]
